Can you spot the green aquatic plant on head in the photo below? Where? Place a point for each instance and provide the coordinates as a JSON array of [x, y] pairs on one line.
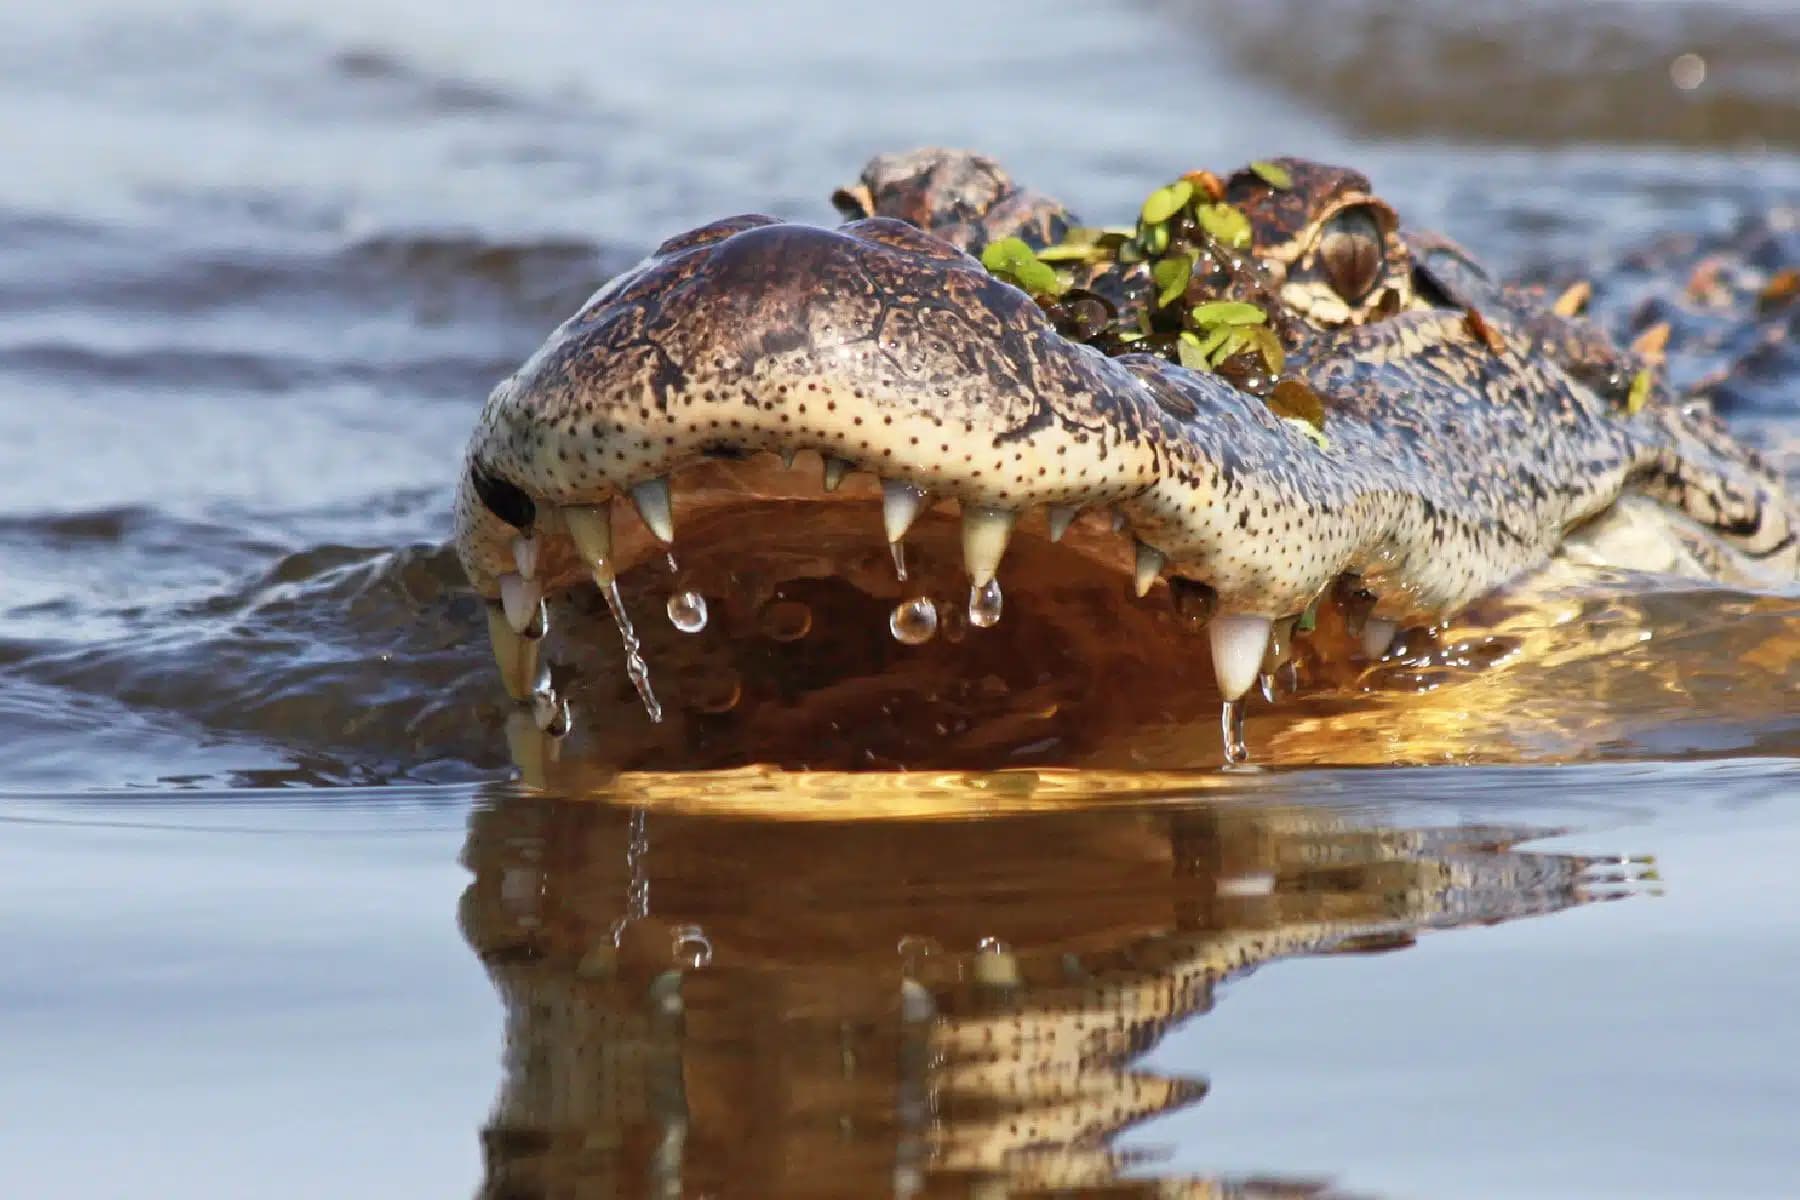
[[1179, 283]]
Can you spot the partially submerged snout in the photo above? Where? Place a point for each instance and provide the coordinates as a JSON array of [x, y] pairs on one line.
[[687, 387], [883, 350]]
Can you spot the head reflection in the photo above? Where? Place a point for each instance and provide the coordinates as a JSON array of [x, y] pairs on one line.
[[744, 1006]]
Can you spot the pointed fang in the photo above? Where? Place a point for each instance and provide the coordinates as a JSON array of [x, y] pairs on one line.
[[901, 504], [517, 657], [654, 505], [591, 527], [1149, 566], [520, 598], [1238, 643], [986, 531], [1377, 636], [1061, 516], [835, 470], [525, 551]]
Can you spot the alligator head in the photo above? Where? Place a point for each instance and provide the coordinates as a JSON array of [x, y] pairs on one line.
[[1173, 506]]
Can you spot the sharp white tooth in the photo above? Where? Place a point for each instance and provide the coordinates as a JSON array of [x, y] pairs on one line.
[[1378, 635], [787, 459], [525, 550], [835, 470], [1149, 565], [591, 527], [901, 504], [1060, 517], [1281, 646], [653, 504], [516, 656], [1238, 643], [985, 533], [520, 598]]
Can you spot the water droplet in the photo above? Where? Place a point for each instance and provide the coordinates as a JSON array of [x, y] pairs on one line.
[[687, 611], [692, 948], [785, 620], [992, 945], [669, 558], [985, 603], [636, 669], [1231, 731], [914, 621]]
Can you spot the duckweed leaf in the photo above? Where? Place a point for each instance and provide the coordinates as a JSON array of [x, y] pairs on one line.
[[1227, 312], [1005, 254], [1212, 343], [1071, 252], [1165, 202], [1273, 174], [1226, 224], [1272, 352], [1171, 276], [1011, 257], [1639, 394], [1295, 401], [1309, 620], [1190, 352]]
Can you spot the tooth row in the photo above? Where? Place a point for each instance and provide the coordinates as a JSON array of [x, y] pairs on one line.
[[901, 504], [1239, 641], [517, 656], [1149, 565], [985, 532], [653, 504], [1377, 636], [591, 528], [522, 600], [1242, 643]]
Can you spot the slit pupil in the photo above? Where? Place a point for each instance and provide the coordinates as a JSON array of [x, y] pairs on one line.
[[503, 498]]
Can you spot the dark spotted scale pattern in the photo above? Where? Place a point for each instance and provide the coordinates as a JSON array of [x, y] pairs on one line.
[[1466, 430]]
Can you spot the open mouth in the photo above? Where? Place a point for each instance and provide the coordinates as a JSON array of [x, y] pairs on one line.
[[806, 615]]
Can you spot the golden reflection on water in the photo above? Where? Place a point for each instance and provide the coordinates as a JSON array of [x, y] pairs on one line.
[[708, 1003]]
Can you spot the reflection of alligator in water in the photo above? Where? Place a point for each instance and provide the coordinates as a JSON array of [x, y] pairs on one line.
[[809, 1008]]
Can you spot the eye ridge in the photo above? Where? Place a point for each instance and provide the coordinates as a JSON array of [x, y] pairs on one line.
[[1352, 253], [503, 498]]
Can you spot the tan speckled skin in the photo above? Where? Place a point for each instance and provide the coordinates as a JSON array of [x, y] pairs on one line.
[[1455, 463]]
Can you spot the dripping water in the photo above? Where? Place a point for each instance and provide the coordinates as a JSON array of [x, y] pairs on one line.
[[985, 603], [687, 611], [914, 621], [898, 550], [1231, 731], [635, 667]]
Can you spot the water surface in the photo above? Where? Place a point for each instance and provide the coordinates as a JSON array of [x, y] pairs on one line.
[[277, 923]]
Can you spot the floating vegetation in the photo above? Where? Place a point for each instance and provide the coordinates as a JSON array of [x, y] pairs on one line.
[[1273, 174], [1012, 260], [1180, 284]]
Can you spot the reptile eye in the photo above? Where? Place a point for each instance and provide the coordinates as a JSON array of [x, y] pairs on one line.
[[1352, 253], [503, 498]]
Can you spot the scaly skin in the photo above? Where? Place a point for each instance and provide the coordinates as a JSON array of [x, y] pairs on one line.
[[1469, 428]]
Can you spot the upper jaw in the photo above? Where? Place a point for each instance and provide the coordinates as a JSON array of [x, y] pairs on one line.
[[880, 347]]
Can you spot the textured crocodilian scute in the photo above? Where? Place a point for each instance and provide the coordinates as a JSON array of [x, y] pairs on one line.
[[1451, 466]]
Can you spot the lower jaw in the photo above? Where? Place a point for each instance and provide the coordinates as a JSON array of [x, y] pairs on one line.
[[814, 654]]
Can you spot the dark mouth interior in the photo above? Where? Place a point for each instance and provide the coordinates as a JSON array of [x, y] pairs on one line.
[[799, 664]]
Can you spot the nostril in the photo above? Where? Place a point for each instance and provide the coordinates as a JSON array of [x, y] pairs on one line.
[[505, 499]]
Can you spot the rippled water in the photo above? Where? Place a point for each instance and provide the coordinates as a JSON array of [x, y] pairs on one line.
[[258, 265]]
